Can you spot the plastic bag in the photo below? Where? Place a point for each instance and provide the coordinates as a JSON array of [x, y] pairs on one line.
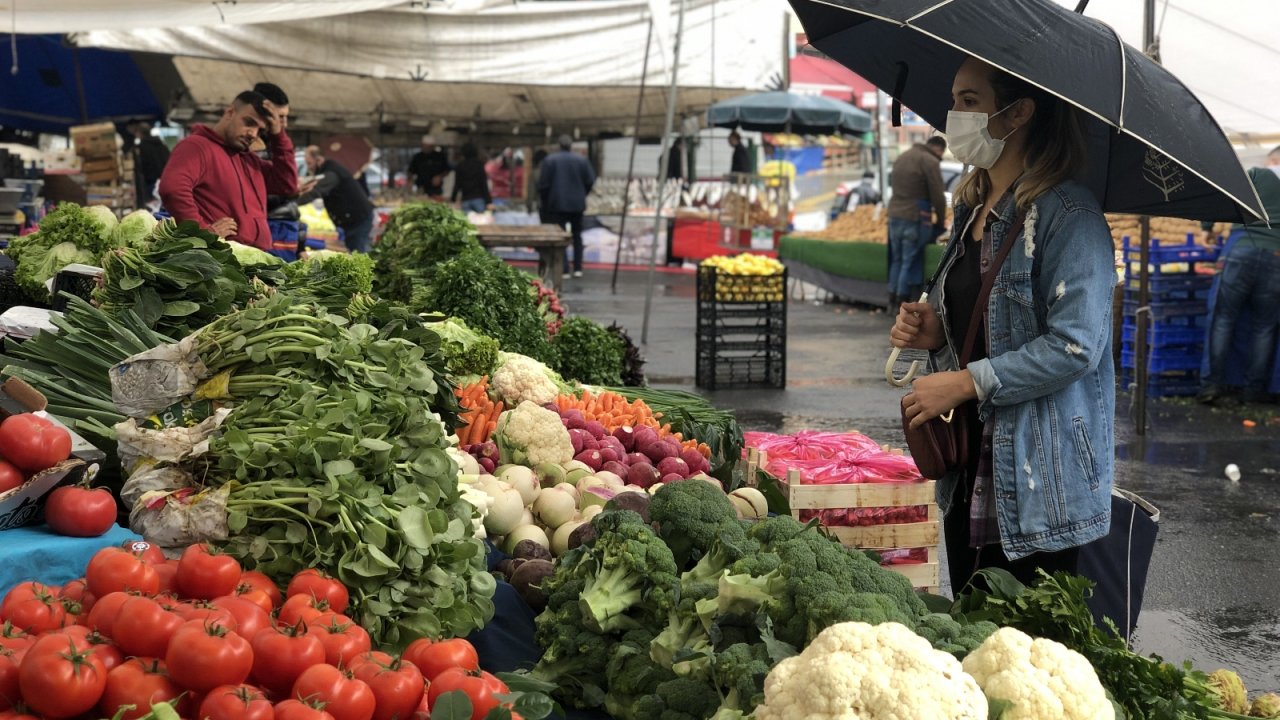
[[152, 479], [182, 517], [156, 379], [811, 445], [139, 446]]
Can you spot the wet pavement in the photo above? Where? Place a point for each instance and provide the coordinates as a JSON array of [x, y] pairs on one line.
[[1213, 593]]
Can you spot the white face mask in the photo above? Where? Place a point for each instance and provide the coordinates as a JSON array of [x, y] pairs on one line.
[[969, 140]]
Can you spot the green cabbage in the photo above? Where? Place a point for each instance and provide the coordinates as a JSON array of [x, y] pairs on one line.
[[134, 228], [249, 256], [106, 220]]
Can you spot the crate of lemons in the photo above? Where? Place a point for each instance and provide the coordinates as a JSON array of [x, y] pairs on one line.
[[745, 278]]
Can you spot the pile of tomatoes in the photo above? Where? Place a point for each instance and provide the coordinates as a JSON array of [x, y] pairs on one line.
[[30, 444], [215, 643]]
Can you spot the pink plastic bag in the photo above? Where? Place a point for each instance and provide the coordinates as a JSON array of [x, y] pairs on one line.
[[811, 445]]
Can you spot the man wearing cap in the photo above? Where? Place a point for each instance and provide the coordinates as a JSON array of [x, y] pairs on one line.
[[429, 167]]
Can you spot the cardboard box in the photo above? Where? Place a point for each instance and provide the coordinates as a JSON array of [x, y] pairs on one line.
[[100, 164], [101, 176], [25, 505]]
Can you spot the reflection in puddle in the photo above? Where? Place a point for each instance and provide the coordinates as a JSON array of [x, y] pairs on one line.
[[1244, 639]]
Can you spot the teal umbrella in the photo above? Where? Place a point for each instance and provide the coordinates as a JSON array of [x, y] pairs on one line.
[[781, 111]]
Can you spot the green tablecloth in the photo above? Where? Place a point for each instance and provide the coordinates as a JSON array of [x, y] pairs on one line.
[[864, 261]]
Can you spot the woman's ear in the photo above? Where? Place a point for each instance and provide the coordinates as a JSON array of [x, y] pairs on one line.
[[1022, 112]]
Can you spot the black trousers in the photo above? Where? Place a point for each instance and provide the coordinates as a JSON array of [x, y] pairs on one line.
[[574, 221]]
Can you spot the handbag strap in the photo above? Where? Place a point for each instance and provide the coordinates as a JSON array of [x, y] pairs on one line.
[[1011, 239]]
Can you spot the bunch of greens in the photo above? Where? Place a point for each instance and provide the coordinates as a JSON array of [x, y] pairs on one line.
[[491, 297], [258, 263], [334, 452], [1055, 607], [69, 234], [330, 279], [179, 281], [588, 352], [692, 416], [466, 351], [419, 237], [632, 360]]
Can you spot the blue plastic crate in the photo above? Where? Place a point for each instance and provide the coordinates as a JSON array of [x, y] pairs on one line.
[[1164, 335], [1173, 384], [1165, 251], [286, 230], [1165, 310], [1179, 282], [1162, 360], [1169, 296]]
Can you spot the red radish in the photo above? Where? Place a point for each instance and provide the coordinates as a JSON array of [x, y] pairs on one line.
[[608, 454], [590, 443], [575, 418], [694, 460], [673, 466], [615, 467], [596, 429], [642, 475], [578, 437], [672, 478], [659, 450], [644, 435], [590, 458], [609, 441], [636, 458], [487, 464], [626, 436]]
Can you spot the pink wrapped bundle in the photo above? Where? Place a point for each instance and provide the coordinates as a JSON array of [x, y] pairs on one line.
[[811, 445]]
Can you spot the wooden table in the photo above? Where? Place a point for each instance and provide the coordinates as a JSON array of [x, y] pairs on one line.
[[549, 240]]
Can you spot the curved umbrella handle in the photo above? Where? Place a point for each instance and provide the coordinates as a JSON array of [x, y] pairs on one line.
[[906, 379]]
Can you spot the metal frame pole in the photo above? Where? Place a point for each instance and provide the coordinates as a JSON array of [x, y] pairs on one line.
[[662, 172], [1140, 370], [631, 164]]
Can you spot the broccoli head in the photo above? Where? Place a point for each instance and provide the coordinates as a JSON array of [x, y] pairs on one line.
[[691, 515], [739, 673], [685, 630], [633, 678], [632, 570], [729, 546], [948, 635], [687, 699]]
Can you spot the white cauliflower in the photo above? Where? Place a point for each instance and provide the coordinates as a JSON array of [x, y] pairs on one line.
[[520, 378], [531, 435], [856, 671], [1043, 679]]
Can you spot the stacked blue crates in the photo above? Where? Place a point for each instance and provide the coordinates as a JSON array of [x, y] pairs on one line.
[[1179, 297]]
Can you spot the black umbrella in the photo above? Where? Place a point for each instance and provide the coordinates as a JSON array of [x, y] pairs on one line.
[[781, 111], [1153, 147]]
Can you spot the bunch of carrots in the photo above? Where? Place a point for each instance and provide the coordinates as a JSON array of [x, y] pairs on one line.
[[480, 413], [614, 411]]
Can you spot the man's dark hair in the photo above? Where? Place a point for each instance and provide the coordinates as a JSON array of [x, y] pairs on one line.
[[735, 134], [566, 142], [1275, 151], [868, 175], [271, 92], [469, 151], [938, 142], [539, 155], [254, 100]]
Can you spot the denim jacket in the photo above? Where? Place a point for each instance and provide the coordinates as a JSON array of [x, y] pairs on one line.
[[1048, 383]]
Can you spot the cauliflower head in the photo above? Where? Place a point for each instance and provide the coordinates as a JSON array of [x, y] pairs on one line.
[[530, 435], [520, 378], [856, 671], [1043, 679]]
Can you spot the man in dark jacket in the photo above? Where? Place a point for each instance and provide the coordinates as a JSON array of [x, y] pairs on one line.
[[741, 162], [345, 201], [429, 167], [917, 216], [471, 181], [564, 182], [151, 156]]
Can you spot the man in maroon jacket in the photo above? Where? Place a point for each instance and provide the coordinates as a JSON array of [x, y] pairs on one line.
[[214, 179]]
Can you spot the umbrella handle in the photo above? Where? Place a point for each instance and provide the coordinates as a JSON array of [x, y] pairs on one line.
[[906, 379]]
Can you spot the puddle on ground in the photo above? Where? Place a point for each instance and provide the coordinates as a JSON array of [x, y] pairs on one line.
[[1245, 639]]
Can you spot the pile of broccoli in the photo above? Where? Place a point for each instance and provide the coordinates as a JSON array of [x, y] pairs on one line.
[[683, 619]]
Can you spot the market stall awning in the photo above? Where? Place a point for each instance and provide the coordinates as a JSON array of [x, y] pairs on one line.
[[813, 75], [64, 16]]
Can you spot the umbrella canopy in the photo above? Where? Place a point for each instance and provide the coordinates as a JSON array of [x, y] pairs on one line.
[[781, 111], [1153, 147], [352, 152]]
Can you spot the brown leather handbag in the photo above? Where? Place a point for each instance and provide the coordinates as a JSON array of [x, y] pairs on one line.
[[942, 443]]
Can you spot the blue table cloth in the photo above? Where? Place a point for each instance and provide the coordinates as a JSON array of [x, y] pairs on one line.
[[37, 553]]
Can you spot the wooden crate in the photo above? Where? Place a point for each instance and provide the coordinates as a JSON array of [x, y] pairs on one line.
[[893, 536]]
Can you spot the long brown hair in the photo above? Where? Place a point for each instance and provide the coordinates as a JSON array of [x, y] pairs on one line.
[[1055, 144]]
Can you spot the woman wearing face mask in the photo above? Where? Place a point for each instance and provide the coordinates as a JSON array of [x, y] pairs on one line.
[[1039, 384]]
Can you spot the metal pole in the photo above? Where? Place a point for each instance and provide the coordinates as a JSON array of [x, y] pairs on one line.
[[882, 145], [1140, 372], [631, 164], [662, 173]]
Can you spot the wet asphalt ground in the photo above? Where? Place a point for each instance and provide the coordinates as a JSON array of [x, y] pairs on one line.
[[1213, 592]]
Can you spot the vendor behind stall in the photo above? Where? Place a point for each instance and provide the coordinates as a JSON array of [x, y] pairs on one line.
[[345, 201], [215, 179]]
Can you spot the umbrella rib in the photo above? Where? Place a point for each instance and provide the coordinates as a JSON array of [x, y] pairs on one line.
[[922, 13], [1124, 73]]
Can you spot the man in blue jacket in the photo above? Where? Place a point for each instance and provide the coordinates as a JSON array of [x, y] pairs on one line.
[[564, 182]]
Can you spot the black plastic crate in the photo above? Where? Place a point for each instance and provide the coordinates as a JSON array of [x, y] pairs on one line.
[[79, 284], [728, 289], [742, 368]]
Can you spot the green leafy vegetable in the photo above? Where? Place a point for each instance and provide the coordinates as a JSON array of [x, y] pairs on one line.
[[134, 229], [466, 352], [418, 238], [330, 279], [588, 352], [79, 234]]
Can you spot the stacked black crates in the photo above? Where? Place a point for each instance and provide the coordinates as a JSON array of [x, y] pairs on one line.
[[1179, 297], [742, 330]]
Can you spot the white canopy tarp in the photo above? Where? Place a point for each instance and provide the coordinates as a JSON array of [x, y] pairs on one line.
[[557, 62], [65, 16]]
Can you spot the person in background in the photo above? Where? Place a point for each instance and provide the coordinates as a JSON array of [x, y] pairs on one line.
[[1249, 277], [501, 174], [346, 202], [429, 167], [151, 155], [741, 162], [534, 200], [917, 216], [214, 178], [471, 181], [564, 182], [1039, 387], [866, 193]]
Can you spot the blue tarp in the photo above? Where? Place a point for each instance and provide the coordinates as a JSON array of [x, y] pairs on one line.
[[44, 96]]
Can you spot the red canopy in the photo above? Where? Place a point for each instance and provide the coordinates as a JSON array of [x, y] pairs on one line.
[[811, 73]]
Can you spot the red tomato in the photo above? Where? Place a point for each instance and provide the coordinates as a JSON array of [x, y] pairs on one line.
[[143, 628], [344, 641], [298, 710], [204, 654], [342, 696], [116, 569], [9, 695], [105, 611], [59, 680], [19, 713], [249, 617], [167, 574], [281, 654], [172, 604], [76, 590], [26, 591], [433, 658], [205, 611], [80, 512], [235, 702], [145, 551], [15, 640], [257, 580], [10, 477], [105, 650], [33, 443], [140, 682], [318, 585], [398, 687], [204, 575], [37, 614], [477, 689], [301, 609]]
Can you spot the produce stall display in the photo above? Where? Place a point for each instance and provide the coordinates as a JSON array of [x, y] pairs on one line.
[[344, 467]]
